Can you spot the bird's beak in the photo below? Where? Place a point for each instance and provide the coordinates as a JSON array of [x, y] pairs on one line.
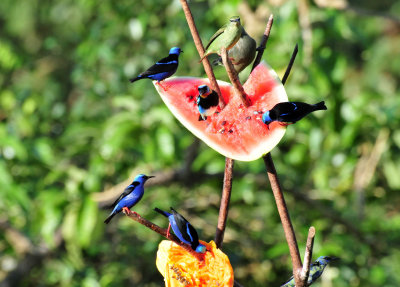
[[150, 176]]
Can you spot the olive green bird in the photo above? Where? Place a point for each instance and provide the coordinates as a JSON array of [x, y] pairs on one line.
[[242, 53], [225, 37]]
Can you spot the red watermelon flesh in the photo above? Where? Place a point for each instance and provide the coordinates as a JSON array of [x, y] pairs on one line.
[[236, 131]]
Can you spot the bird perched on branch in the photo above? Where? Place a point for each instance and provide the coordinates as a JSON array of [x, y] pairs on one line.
[[182, 229], [316, 270], [207, 102], [131, 195], [290, 112], [163, 69], [225, 37], [242, 53]]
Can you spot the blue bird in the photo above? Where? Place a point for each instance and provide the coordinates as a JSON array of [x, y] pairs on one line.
[[183, 229], [290, 112], [316, 270], [163, 69], [131, 195], [207, 102]]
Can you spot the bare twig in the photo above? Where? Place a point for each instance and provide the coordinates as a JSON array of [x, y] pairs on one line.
[[281, 204], [224, 207], [233, 77], [308, 255], [290, 65], [285, 218], [163, 232], [200, 48], [264, 41]]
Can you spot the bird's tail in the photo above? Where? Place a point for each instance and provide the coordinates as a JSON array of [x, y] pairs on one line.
[[109, 218], [135, 79], [166, 214], [320, 106]]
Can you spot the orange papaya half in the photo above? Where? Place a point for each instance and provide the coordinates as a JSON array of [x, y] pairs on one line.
[[236, 131]]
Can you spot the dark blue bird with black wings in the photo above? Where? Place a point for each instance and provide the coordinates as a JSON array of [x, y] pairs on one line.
[[163, 69], [207, 102], [183, 229], [131, 195], [316, 270], [290, 112]]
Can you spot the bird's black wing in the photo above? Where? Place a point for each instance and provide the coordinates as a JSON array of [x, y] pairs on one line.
[[187, 230], [194, 237], [164, 65], [215, 36], [287, 107], [287, 111], [127, 191]]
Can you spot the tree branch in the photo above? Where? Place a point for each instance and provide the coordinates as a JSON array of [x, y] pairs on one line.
[[225, 198], [308, 256], [200, 48], [290, 65], [163, 232], [264, 41], [285, 218], [233, 77], [281, 204]]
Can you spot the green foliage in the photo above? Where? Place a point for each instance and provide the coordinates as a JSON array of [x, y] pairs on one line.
[[71, 125]]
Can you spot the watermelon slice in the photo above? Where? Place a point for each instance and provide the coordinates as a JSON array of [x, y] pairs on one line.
[[236, 131]]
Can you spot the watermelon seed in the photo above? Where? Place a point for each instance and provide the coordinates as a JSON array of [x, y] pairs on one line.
[[223, 123], [230, 131], [222, 130], [248, 118]]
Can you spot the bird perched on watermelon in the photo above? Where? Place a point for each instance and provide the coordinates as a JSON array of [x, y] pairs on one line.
[[163, 68], [316, 270], [207, 102], [132, 194], [225, 37], [242, 53], [290, 112], [183, 229]]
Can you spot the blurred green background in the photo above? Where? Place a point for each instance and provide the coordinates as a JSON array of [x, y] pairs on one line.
[[72, 128]]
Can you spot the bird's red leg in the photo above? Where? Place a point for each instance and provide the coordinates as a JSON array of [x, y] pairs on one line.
[[169, 226], [126, 210], [163, 87], [286, 124]]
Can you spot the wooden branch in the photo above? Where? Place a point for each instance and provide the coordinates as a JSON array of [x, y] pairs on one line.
[[308, 256], [290, 65], [233, 77], [163, 232], [264, 41], [281, 204], [225, 198], [200, 49], [285, 218]]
